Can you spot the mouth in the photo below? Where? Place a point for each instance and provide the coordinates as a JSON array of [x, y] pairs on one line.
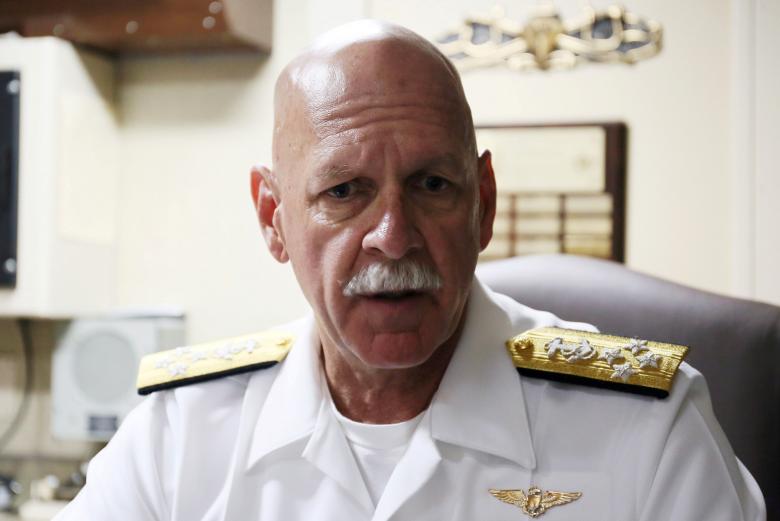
[[395, 295]]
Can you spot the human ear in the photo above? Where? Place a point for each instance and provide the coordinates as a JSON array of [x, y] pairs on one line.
[[487, 198], [266, 199]]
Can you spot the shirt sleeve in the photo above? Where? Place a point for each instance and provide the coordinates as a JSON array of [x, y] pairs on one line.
[[123, 479], [698, 476]]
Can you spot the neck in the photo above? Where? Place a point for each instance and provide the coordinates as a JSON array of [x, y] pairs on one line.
[[385, 395]]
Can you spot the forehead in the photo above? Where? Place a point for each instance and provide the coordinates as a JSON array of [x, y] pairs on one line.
[[372, 133], [411, 115], [372, 93]]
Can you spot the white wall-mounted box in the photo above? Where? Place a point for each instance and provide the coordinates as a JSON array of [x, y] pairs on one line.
[[68, 179]]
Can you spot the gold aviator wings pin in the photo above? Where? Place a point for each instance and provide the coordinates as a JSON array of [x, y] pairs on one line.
[[536, 502]]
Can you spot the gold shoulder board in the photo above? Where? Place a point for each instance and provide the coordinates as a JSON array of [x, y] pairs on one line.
[[198, 363], [628, 364]]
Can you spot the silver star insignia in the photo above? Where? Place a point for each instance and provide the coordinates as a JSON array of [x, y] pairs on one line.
[[177, 370], [198, 355], [610, 354], [553, 346], [622, 371], [648, 360], [223, 352], [637, 346], [584, 351]]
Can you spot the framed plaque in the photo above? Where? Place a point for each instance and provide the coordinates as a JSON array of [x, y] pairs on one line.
[[561, 189]]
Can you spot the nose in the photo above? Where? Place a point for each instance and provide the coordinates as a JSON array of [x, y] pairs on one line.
[[395, 234]]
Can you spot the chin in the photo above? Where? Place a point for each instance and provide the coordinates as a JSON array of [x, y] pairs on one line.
[[401, 350]]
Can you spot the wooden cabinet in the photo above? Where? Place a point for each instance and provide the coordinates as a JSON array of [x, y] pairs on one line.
[[145, 26]]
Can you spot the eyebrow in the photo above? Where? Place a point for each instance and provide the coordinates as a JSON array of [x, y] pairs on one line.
[[337, 172], [327, 176], [447, 160], [334, 172]]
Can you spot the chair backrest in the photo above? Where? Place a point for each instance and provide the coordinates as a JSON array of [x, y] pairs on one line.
[[735, 343]]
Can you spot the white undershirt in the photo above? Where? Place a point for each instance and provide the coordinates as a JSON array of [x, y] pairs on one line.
[[377, 448]]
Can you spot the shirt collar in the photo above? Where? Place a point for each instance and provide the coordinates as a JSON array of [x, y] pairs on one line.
[[293, 402], [479, 404], [298, 409]]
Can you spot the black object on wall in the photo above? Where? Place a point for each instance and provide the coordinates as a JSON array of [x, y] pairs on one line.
[[10, 90]]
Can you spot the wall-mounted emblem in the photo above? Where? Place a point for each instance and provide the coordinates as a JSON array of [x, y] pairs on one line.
[[546, 41]]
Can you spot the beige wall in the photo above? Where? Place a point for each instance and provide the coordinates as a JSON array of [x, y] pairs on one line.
[[766, 122], [192, 126]]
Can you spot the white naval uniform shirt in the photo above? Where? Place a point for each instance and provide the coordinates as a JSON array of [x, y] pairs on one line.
[[377, 448], [264, 446]]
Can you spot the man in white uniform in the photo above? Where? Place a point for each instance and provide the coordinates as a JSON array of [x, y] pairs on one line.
[[398, 399]]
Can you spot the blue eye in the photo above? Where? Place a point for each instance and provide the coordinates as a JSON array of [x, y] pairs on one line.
[[435, 183], [341, 191]]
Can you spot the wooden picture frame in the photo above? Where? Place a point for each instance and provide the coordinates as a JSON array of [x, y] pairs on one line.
[[567, 180]]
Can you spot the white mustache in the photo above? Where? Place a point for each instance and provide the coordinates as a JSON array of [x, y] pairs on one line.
[[393, 277]]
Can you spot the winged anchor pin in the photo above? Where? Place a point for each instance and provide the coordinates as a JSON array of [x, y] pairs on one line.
[[536, 502]]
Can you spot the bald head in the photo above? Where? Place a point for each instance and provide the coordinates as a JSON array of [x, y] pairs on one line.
[[364, 66]]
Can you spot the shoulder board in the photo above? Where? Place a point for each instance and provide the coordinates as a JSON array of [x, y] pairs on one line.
[[202, 362], [626, 364]]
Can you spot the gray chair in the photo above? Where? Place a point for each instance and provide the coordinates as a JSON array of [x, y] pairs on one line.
[[734, 343]]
